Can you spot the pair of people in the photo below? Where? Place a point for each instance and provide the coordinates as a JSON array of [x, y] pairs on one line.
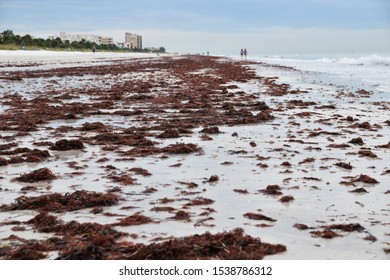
[[244, 52]]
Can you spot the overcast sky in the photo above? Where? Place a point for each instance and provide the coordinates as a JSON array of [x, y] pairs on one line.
[[219, 26]]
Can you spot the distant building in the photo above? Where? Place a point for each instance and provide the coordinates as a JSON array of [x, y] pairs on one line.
[[97, 39], [133, 41], [106, 41]]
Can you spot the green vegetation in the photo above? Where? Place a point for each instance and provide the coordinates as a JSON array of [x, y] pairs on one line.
[[10, 41]]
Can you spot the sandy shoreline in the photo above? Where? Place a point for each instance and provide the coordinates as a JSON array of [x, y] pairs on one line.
[[177, 146]]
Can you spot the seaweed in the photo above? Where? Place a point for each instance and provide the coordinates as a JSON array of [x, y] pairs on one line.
[[272, 190], [255, 216], [42, 174], [181, 148], [60, 203], [344, 165], [301, 226], [286, 198], [213, 178], [326, 233], [367, 153], [140, 171], [211, 130], [169, 133], [346, 227], [357, 141], [233, 245], [134, 220], [66, 145]]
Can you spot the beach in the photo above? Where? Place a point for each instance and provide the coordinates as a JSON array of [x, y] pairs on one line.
[[129, 156]]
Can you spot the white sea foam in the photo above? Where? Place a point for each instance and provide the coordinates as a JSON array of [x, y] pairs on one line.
[[363, 60], [372, 71]]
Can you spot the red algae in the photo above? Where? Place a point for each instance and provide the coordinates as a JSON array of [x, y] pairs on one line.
[[42, 174], [301, 226], [181, 216], [233, 245], [307, 160], [134, 220], [213, 178], [199, 201], [137, 112], [272, 190], [61, 203], [286, 199], [140, 171], [241, 191], [366, 179], [344, 165], [367, 153], [66, 145], [357, 141], [169, 133], [326, 233], [346, 227], [181, 148], [255, 216], [211, 130]]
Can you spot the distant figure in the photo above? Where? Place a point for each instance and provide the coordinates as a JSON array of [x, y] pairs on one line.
[[245, 53], [93, 49], [242, 52]]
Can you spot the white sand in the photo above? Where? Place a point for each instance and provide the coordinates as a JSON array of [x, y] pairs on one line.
[[53, 58]]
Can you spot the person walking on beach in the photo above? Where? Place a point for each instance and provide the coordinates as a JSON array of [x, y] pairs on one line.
[[245, 53], [242, 52]]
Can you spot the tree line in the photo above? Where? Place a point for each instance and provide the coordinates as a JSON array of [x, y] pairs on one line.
[[8, 37]]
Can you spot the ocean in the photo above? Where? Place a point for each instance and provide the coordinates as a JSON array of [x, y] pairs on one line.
[[369, 71]]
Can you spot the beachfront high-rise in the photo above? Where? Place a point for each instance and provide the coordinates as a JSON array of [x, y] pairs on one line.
[[133, 41], [97, 39]]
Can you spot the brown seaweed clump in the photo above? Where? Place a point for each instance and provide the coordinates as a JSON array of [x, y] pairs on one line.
[[134, 220], [3, 161], [344, 165], [326, 233], [213, 178], [42, 174], [255, 216], [301, 226], [66, 145], [357, 141], [272, 190], [346, 227], [233, 245], [359, 190], [169, 133], [362, 178], [367, 153], [182, 216], [286, 198], [60, 203], [366, 179], [29, 250], [181, 148], [211, 130]]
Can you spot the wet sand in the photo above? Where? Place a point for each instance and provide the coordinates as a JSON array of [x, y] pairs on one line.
[[122, 158]]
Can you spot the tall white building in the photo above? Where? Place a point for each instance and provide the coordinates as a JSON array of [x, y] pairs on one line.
[[97, 39], [133, 41]]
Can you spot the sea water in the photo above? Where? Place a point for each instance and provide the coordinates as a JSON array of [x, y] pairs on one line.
[[371, 71]]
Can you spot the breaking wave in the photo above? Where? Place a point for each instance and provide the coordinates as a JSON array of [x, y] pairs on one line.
[[364, 60]]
